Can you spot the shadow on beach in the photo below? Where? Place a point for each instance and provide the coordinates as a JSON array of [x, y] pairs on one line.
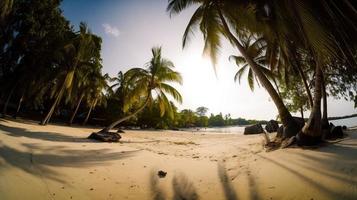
[[40, 164], [46, 136]]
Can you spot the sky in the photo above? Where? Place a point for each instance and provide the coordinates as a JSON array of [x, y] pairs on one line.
[[130, 28]]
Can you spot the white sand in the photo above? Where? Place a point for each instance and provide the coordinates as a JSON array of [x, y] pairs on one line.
[[57, 162]]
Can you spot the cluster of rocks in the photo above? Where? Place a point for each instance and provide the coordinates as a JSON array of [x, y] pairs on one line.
[[105, 136], [271, 126], [333, 132]]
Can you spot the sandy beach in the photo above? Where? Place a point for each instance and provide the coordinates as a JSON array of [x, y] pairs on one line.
[[57, 162]]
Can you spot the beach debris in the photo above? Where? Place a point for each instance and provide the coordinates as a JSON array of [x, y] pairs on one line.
[[272, 126], [105, 136], [161, 174], [253, 129]]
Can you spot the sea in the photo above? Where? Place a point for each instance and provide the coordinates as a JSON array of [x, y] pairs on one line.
[[349, 122]]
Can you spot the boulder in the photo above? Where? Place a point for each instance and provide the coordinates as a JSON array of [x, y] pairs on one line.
[[307, 140], [280, 132], [335, 132], [300, 122], [105, 136], [253, 129], [272, 126], [344, 128]]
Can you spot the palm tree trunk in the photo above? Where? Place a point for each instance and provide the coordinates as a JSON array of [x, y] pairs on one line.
[[277, 87], [290, 125], [325, 122], [76, 110], [302, 112], [112, 125], [19, 104], [304, 80], [53, 107], [90, 110], [8, 101], [313, 126]]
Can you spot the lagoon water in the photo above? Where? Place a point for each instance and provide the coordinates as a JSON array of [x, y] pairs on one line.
[[349, 122]]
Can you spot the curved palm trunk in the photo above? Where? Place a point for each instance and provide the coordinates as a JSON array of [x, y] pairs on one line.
[[76, 110], [313, 126], [112, 125], [53, 107], [89, 112], [290, 125]]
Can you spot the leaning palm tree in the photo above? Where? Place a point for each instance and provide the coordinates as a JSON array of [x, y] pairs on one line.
[[80, 51], [256, 49], [153, 82], [96, 96], [216, 18]]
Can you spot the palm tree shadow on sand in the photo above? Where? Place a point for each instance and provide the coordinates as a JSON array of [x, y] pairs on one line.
[[45, 136], [183, 188], [39, 161]]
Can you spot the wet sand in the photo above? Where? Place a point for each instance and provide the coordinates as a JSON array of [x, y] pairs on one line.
[[58, 162]]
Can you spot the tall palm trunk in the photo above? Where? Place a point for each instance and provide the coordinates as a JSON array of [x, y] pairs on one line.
[[89, 112], [304, 80], [4, 111], [54, 105], [325, 122], [313, 126], [277, 87], [76, 110], [19, 104], [302, 74], [112, 125], [290, 125], [302, 112]]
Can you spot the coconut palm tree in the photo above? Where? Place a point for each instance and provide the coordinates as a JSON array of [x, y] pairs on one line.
[[149, 83], [97, 96], [305, 24], [256, 49], [82, 49], [83, 82], [214, 18]]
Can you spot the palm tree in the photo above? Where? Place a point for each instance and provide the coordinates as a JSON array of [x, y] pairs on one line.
[[82, 86], [80, 51], [144, 82], [211, 16], [306, 24], [256, 49], [97, 96]]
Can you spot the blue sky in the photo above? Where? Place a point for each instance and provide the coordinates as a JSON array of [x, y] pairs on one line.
[[130, 28]]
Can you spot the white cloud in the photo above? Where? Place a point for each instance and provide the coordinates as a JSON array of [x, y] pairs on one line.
[[111, 30]]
